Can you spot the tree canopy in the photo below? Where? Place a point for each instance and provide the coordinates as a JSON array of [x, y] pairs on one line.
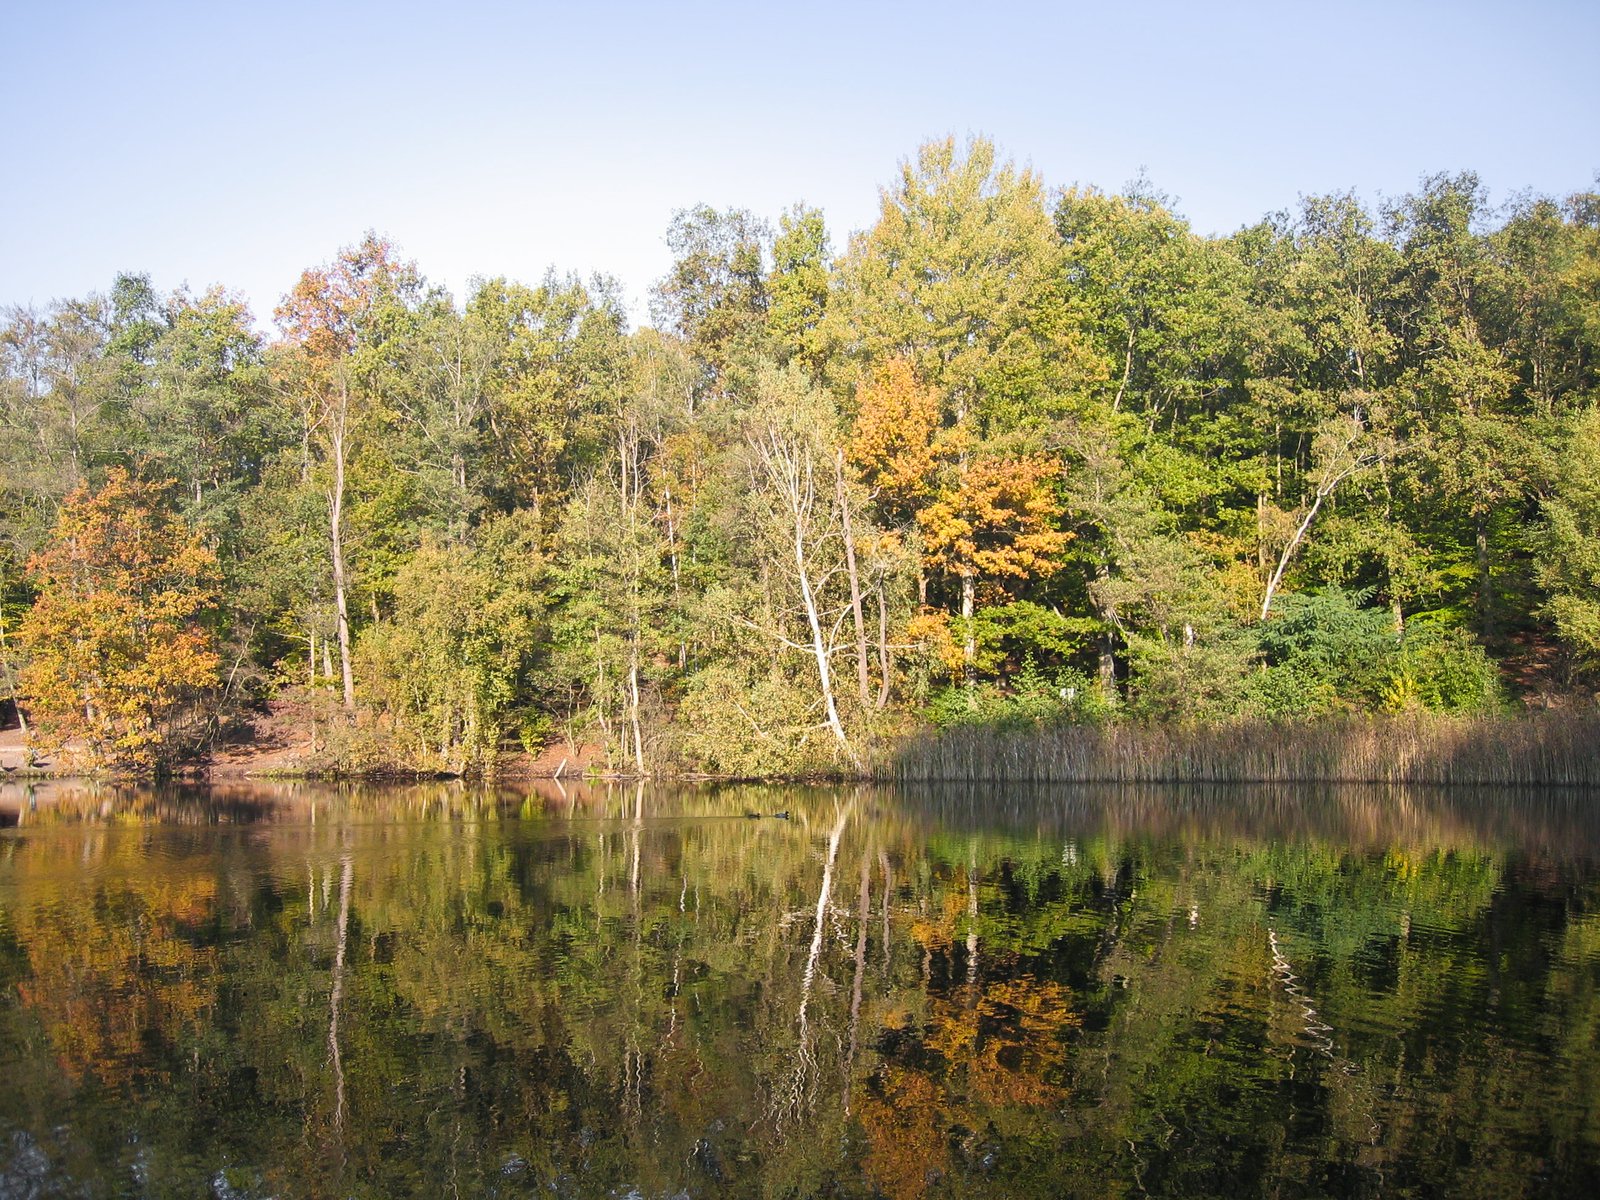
[[1008, 442]]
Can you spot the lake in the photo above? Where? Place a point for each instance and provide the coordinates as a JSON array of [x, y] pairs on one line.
[[436, 990]]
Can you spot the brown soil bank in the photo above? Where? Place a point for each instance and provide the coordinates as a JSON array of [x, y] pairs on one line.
[[1541, 749], [285, 739]]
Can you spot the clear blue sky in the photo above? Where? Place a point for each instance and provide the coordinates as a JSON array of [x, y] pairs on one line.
[[234, 143]]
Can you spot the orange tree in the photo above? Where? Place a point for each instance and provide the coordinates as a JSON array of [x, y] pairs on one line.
[[119, 661], [981, 516], [996, 519]]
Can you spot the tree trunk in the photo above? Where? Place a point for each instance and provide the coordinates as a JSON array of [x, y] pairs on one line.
[[336, 538], [883, 647], [1388, 561], [633, 706], [1108, 639], [862, 679], [1485, 580], [1288, 553], [969, 644], [5, 667], [672, 558], [819, 648], [1127, 371], [1108, 664]]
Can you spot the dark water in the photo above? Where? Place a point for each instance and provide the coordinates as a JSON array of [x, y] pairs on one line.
[[434, 991]]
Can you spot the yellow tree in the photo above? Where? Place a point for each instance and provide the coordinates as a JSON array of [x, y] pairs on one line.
[[996, 520], [119, 661], [894, 442]]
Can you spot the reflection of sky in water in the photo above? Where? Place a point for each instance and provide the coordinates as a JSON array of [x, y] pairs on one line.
[[583, 990]]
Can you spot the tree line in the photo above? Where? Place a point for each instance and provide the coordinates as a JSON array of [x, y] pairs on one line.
[[1011, 454]]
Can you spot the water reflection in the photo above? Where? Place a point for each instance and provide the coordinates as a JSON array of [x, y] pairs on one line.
[[567, 989]]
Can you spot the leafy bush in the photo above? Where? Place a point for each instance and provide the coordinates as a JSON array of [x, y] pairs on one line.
[[1326, 651], [745, 723], [446, 668], [1444, 670], [1065, 697]]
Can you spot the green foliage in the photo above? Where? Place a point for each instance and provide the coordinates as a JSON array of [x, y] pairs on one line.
[[740, 720], [1324, 651], [798, 287], [715, 296], [1213, 475], [449, 669], [1570, 565], [1444, 669], [1022, 630], [1031, 699]]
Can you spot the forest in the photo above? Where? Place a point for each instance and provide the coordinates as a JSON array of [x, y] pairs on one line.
[[1014, 456]]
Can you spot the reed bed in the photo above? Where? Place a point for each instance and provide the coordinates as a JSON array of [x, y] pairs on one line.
[[1544, 749]]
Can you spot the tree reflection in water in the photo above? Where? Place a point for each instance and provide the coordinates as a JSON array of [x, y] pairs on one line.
[[305, 989]]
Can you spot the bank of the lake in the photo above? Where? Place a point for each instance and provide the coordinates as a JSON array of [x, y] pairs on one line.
[[1553, 748]]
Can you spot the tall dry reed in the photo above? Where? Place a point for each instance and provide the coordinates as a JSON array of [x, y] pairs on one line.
[[1556, 748]]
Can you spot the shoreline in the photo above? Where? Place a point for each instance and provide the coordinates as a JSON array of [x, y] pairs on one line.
[[1540, 748]]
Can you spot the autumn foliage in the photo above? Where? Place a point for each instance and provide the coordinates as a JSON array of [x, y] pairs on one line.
[[118, 658], [998, 520], [893, 443]]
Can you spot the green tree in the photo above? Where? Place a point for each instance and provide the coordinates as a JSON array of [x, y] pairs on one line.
[[1478, 451], [339, 325], [1569, 565], [798, 288], [951, 278], [715, 295], [559, 360], [449, 669]]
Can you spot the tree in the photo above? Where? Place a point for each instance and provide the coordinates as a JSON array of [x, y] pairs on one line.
[[715, 296], [204, 414], [996, 520], [334, 324], [619, 574], [120, 661], [58, 410], [449, 665], [1477, 447], [1569, 567], [559, 360], [1343, 448], [894, 441], [1155, 300], [951, 278], [789, 433], [798, 287]]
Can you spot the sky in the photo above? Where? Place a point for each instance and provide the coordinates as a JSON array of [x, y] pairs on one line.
[[240, 143]]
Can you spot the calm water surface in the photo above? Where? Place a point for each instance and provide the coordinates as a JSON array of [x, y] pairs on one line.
[[426, 991]]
